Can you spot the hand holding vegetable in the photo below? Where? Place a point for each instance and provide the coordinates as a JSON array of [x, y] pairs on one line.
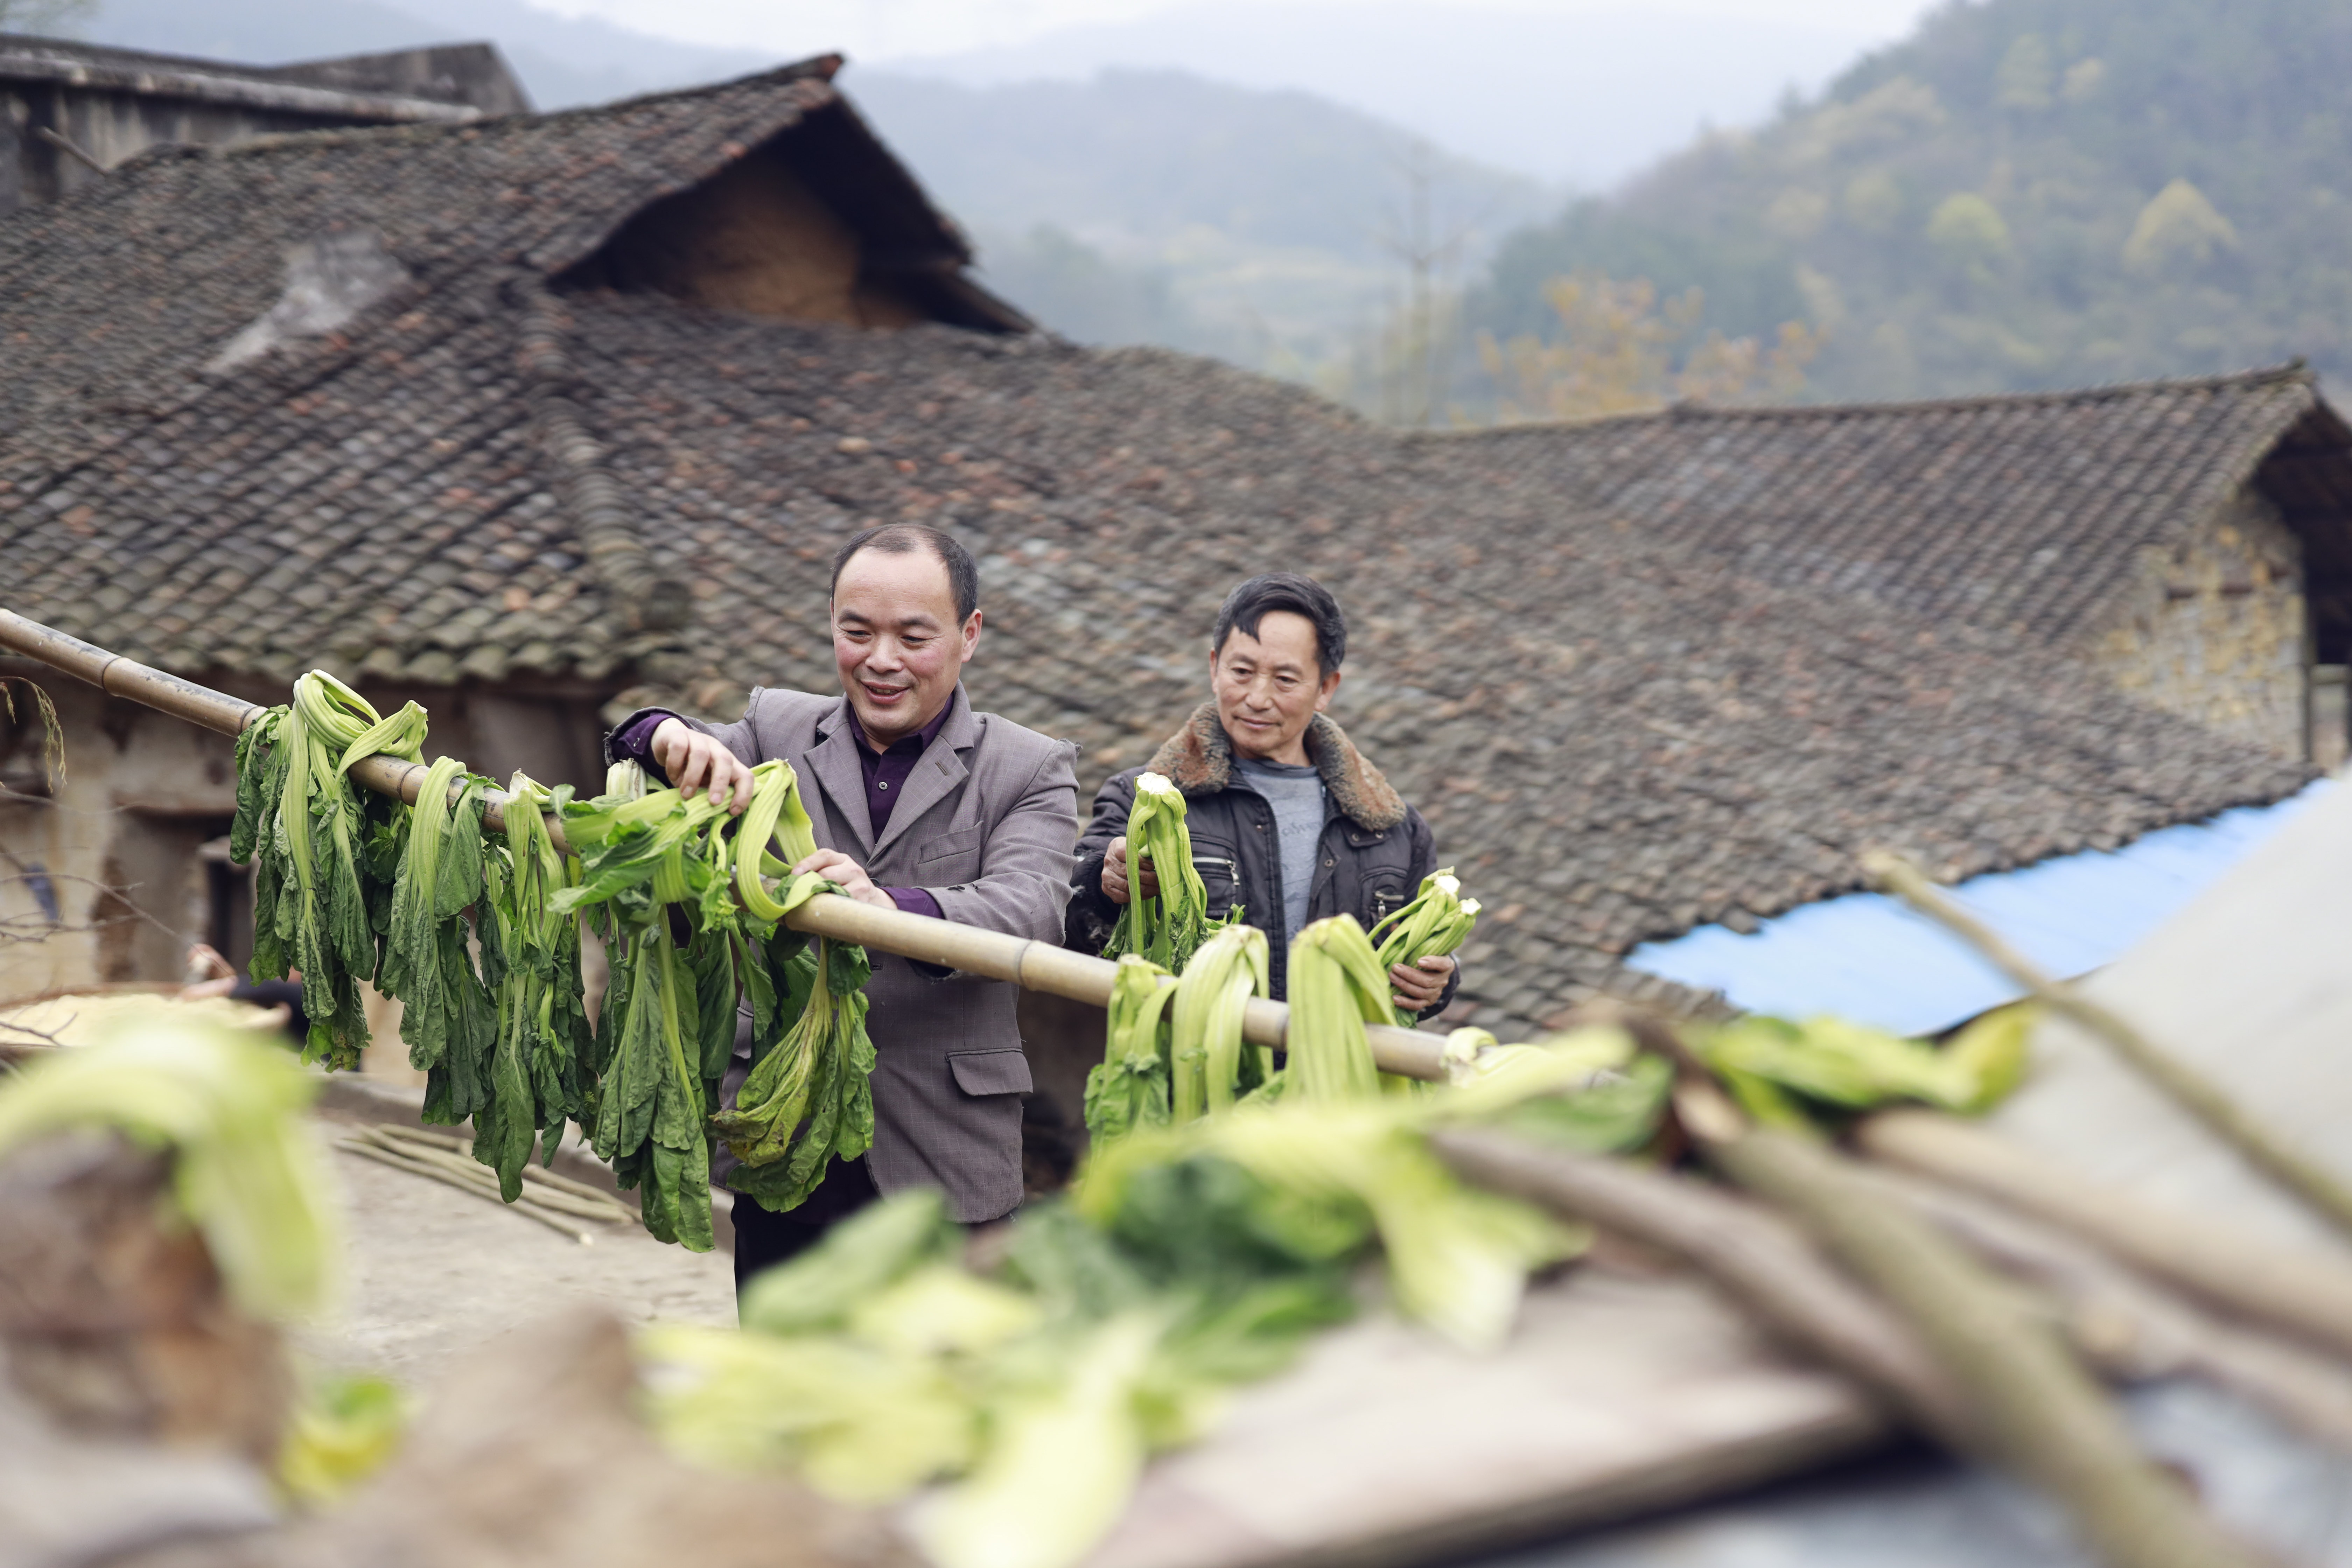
[[836, 867], [692, 760], [1117, 885], [1420, 983]]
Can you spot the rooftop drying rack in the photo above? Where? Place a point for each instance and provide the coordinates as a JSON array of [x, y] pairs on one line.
[[1035, 965]]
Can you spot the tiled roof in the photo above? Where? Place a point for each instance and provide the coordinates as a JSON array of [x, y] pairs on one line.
[[2019, 514], [1615, 736]]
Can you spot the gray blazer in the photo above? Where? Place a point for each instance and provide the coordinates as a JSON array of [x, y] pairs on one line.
[[987, 826]]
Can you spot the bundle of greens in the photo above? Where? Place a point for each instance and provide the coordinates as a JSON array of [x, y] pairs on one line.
[[810, 1097], [1787, 1075], [664, 875], [1209, 1064], [1128, 1087], [1337, 986], [325, 851], [1169, 926], [536, 1075], [1433, 925], [448, 1016]]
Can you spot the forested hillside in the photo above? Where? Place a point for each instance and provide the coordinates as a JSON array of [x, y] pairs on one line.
[[2026, 193]]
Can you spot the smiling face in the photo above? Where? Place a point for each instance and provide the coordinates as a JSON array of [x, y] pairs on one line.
[[1269, 687], [896, 640]]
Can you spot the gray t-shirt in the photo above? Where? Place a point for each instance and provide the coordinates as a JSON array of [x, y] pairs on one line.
[[1296, 796]]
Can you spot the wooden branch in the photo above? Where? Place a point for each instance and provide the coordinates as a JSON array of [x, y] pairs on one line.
[[1749, 1253], [2033, 1410], [2305, 1292], [2191, 1090]]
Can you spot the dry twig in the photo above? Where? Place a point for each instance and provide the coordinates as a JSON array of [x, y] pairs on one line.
[[2194, 1093]]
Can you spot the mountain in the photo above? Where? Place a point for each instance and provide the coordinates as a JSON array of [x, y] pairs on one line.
[[1580, 99], [1160, 206], [2025, 194]]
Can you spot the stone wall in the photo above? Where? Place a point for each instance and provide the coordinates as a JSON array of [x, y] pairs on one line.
[[2216, 629]]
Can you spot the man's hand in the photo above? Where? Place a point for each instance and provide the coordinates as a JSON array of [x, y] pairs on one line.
[[1421, 984], [1115, 884], [836, 867], [693, 759]]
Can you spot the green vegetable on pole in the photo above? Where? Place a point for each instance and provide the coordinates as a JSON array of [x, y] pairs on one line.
[[1338, 984], [1129, 1086], [1210, 1065], [325, 851]]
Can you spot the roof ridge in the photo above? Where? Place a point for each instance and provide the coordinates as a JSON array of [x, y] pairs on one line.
[[818, 68], [2295, 371]]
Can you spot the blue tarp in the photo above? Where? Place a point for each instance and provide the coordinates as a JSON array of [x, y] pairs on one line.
[[1867, 958]]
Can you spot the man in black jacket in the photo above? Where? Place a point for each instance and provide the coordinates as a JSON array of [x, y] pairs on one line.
[[1288, 819]]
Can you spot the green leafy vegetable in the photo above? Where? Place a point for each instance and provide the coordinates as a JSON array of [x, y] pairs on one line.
[[344, 1427], [1209, 1064], [448, 1016], [1128, 1087], [1776, 1068], [1337, 986], [536, 1075], [324, 851], [809, 1099], [1169, 926], [1433, 925]]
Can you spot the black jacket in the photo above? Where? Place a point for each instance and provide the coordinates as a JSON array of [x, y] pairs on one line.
[[1374, 853]]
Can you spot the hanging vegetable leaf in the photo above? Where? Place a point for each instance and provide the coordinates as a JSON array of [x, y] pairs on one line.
[[809, 1099], [1208, 1063], [1337, 986], [535, 1073], [448, 1015], [325, 851], [1129, 1086], [1776, 1068]]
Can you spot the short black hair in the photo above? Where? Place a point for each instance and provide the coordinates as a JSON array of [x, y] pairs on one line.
[[1247, 606], [905, 539]]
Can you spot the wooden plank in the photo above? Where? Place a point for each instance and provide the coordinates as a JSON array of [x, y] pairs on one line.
[[1385, 1448]]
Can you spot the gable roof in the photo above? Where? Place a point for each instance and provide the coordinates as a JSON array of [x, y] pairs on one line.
[[2019, 514], [1616, 736], [134, 286]]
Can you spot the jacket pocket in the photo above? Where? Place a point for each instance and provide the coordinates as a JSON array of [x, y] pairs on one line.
[[983, 1073], [1220, 879], [949, 860], [1384, 894]]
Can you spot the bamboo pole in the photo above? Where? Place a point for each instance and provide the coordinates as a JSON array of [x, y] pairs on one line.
[[2033, 1409], [2206, 1101], [1034, 965], [2305, 1292]]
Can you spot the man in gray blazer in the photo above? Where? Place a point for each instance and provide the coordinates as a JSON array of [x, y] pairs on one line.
[[921, 804]]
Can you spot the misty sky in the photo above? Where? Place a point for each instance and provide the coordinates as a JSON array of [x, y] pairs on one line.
[[1579, 93], [881, 29]]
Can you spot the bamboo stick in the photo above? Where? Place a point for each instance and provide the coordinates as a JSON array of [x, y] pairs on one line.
[[1751, 1253], [2131, 1328], [2035, 1410], [420, 1167], [1035, 965], [2306, 1293], [2191, 1090]]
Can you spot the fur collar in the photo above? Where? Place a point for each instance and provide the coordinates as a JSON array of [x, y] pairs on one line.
[[1199, 759]]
